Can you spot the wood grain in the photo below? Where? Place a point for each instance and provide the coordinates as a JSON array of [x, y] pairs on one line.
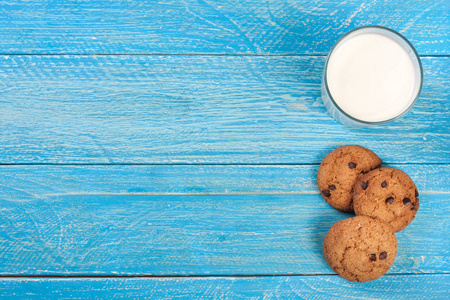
[[224, 27], [315, 287], [20, 182], [195, 235], [175, 138], [198, 109]]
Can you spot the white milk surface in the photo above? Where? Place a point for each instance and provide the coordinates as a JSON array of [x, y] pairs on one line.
[[372, 77]]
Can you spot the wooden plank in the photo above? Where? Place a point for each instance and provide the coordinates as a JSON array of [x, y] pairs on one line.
[[283, 287], [231, 27], [198, 109], [19, 182], [196, 235]]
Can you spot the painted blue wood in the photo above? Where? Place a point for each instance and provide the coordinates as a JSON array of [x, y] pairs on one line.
[[196, 235], [198, 109], [168, 109], [316, 287], [213, 26], [19, 182]]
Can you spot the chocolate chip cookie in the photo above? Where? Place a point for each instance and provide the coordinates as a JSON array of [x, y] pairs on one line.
[[387, 194], [360, 248], [339, 171]]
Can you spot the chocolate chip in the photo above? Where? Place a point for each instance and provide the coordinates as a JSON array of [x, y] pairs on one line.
[[390, 200], [352, 165], [413, 207], [326, 193], [384, 184], [373, 257], [383, 255], [416, 193], [364, 185], [332, 187], [406, 201]]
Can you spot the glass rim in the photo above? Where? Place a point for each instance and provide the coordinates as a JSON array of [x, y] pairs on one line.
[[415, 54]]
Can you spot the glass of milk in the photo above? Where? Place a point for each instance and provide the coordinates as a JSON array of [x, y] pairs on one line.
[[372, 76]]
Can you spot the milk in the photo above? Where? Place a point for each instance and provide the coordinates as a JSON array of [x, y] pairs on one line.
[[372, 76]]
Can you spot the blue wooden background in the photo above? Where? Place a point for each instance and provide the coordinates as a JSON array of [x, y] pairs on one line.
[[169, 149]]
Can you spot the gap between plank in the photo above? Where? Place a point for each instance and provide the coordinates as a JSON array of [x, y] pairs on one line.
[[196, 276], [205, 194], [205, 164], [186, 54]]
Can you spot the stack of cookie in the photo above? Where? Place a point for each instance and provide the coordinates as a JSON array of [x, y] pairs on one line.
[[385, 200]]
